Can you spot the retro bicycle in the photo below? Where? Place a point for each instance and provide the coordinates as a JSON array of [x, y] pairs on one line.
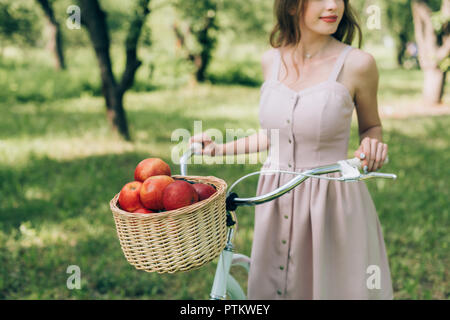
[[225, 285], [187, 238]]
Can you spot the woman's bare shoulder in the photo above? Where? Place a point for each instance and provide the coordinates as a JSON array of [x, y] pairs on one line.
[[363, 63]]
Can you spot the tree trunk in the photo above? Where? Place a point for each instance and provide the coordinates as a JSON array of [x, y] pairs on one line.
[[94, 18], [433, 85], [430, 52], [55, 37], [207, 42], [401, 48]]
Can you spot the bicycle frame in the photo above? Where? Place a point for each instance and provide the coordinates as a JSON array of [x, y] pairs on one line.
[[222, 279]]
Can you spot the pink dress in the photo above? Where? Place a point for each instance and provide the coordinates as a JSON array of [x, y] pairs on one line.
[[323, 239]]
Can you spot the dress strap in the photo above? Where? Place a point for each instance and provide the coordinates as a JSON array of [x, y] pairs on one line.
[[339, 63], [276, 65]]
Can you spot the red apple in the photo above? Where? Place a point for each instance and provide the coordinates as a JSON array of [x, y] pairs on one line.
[[204, 190], [129, 197], [152, 191], [143, 210], [179, 194], [151, 167]]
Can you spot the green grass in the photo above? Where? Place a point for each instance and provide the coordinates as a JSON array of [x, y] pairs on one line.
[[60, 164]]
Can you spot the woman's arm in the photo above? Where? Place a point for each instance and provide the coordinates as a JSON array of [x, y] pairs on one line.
[[257, 142], [366, 79]]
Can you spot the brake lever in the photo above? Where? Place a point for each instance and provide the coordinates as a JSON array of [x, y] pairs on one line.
[[350, 171]]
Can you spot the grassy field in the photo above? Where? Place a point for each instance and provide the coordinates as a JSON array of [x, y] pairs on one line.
[[60, 165]]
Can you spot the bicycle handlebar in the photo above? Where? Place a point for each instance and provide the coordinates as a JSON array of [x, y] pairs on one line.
[[195, 148], [349, 169]]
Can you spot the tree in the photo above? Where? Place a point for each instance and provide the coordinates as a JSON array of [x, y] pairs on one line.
[[432, 32], [55, 42], [251, 19], [200, 16], [94, 19], [399, 19], [19, 23]]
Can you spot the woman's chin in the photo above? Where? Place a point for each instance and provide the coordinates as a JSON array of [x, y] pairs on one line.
[[326, 31]]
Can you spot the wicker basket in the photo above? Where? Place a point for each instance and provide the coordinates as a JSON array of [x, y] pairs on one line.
[[175, 240]]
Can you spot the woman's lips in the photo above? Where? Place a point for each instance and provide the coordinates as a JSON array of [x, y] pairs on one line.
[[330, 19]]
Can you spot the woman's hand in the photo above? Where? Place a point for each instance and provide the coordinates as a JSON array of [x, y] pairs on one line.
[[210, 148], [373, 153]]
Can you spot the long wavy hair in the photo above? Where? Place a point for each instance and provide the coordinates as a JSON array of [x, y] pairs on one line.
[[287, 27]]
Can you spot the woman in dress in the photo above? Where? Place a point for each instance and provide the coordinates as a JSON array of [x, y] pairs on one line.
[[323, 239]]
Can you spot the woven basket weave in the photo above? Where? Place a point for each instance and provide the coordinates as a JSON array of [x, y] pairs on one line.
[[175, 240]]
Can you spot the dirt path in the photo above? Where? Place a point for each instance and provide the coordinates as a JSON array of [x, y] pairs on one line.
[[410, 110]]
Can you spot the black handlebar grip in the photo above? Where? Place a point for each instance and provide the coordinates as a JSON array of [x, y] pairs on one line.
[[230, 204]]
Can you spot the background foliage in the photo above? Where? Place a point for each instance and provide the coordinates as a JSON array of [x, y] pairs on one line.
[[60, 163]]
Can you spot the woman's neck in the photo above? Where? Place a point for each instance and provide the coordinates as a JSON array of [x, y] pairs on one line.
[[311, 47]]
